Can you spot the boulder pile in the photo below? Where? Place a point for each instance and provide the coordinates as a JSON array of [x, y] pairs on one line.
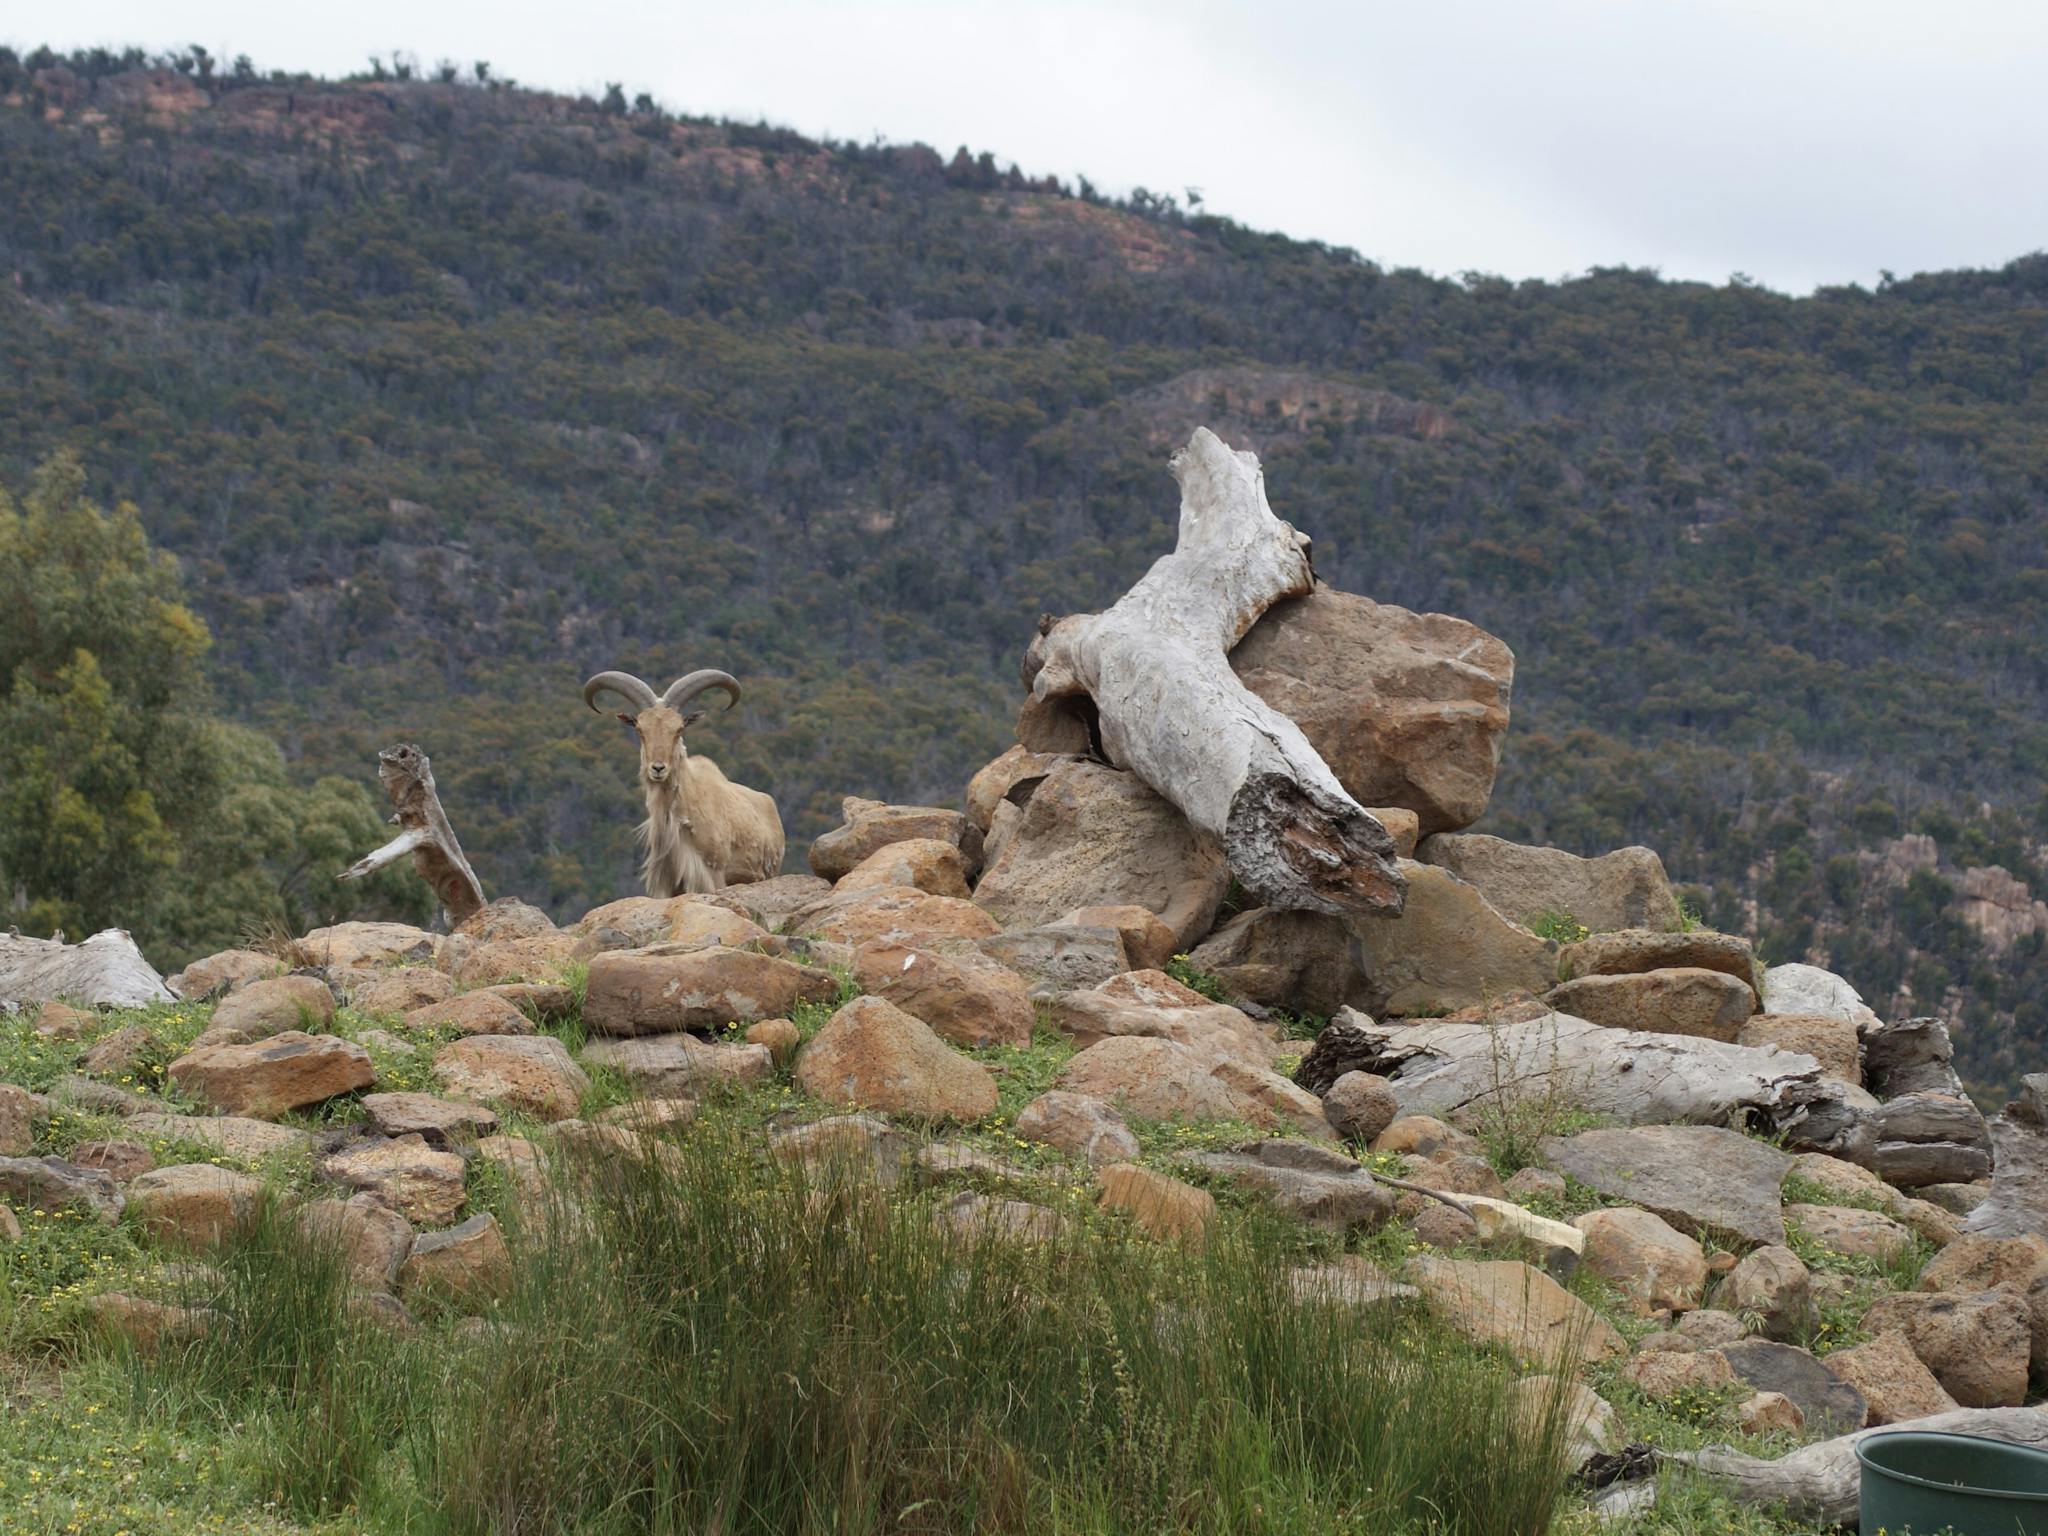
[[1548, 1078]]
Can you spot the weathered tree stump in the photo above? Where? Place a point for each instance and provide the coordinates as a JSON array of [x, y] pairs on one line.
[[1166, 706], [407, 775]]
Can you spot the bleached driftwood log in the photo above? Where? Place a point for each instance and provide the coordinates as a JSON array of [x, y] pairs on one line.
[[106, 971], [407, 775], [1456, 1070], [1169, 709], [1818, 1483]]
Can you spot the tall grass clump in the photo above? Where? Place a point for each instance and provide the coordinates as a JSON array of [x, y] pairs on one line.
[[713, 1342]]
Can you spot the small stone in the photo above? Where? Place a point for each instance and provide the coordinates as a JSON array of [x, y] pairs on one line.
[[1710, 1328], [1527, 1184], [60, 1021], [420, 1183], [120, 1161], [399, 992], [1831, 1042], [20, 1110], [1426, 1137], [779, 1036], [467, 1265], [194, 1204], [531, 1073], [1509, 1303], [519, 1160], [1438, 1226], [10, 1226], [1665, 1374], [978, 1217], [471, 1013], [858, 1146], [1771, 1285], [1852, 1231], [1977, 1344], [373, 1238], [647, 1115], [1360, 1105], [681, 1065], [966, 998], [441, 1121], [226, 971], [120, 1054], [301, 1004], [1769, 1413], [1078, 1125], [231, 1135], [1590, 1423], [1159, 1205], [145, 1324], [51, 1184]]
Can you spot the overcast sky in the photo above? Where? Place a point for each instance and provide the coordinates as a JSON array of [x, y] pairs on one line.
[[1797, 141]]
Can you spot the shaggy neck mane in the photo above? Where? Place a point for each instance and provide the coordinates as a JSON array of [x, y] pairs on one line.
[[673, 862]]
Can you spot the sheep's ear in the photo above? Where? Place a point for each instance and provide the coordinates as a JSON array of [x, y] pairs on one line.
[[691, 719], [627, 720]]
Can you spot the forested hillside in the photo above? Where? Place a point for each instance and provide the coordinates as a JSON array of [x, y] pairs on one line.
[[447, 394]]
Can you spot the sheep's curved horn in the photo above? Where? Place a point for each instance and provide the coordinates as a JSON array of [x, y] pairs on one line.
[[624, 684], [686, 688]]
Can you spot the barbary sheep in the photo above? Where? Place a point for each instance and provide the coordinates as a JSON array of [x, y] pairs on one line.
[[703, 832]]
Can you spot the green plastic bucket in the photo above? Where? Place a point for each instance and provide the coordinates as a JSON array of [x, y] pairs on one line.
[[1929, 1484]]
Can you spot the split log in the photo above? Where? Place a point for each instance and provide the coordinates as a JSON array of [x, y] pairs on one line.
[[106, 971], [1456, 1071], [1819, 1483], [1156, 667], [408, 779]]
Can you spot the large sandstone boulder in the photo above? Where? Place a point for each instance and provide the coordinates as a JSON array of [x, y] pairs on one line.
[[1657, 1267], [1094, 836], [770, 902], [505, 918], [698, 922], [1159, 1205], [1158, 1079], [265, 1078], [484, 962], [1689, 1000], [927, 864], [1450, 948], [1829, 1041], [1630, 951], [531, 1073], [231, 1135], [1077, 1125], [1977, 1344], [873, 1055], [466, 1266], [1700, 1178], [1911, 1056], [350, 946], [1512, 1304], [399, 991], [1059, 957], [967, 999], [1851, 1230], [1771, 1285], [681, 1064], [270, 1007], [1012, 778], [472, 1013], [1303, 962], [52, 1184], [1408, 709], [440, 1121], [1828, 1404], [871, 826], [224, 972], [1154, 1004], [1894, 1382], [891, 914], [372, 1238], [1623, 889], [1978, 1262], [1148, 942], [656, 992], [1930, 1138]]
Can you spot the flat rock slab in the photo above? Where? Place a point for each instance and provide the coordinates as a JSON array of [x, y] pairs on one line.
[[1700, 1178], [1623, 889], [235, 1135], [665, 1066], [1506, 1302], [1629, 951], [422, 1114], [1684, 1000], [532, 1073], [265, 1078], [635, 992], [51, 1184], [421, 1183], [1830, 1404], [1311, 1184]]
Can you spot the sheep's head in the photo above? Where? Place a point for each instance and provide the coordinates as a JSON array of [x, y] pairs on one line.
[[660, 722]]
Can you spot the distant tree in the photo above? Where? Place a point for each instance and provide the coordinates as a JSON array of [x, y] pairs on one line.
[[122, 801], [482, 70], [614, 99]]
